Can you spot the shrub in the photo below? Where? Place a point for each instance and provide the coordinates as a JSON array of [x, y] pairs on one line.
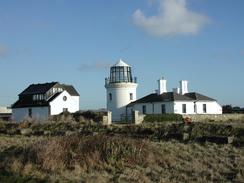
[[88, 116], [162, 117]]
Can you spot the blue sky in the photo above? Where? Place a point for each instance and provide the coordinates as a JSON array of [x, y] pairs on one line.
[[74, 42]]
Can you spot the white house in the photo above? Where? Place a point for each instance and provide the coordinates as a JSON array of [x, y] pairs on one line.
[[179, 101], [121, 89], [39, 101]]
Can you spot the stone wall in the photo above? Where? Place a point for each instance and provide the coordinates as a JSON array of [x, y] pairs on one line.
[[215, 117]]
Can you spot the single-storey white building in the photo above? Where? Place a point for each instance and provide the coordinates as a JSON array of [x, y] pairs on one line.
[[39, 101], [179, 101], [5, 113]]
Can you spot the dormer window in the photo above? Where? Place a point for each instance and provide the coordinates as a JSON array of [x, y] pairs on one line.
[[38, 97]]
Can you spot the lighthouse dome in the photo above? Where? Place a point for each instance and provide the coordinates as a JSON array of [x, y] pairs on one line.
[[121, 73], [121, 63]]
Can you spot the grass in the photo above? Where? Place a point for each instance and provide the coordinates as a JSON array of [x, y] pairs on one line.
[[105, 158], [78, 151]]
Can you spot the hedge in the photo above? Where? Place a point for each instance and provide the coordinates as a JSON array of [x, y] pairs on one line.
[[162, 117]]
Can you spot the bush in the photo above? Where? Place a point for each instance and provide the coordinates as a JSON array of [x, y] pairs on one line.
[[162, 117]]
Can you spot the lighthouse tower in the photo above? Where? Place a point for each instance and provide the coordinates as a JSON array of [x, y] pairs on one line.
[[121, 89]]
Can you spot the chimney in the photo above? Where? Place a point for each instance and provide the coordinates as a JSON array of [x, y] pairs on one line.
[[183, 87], [176, 90], [162, 86]]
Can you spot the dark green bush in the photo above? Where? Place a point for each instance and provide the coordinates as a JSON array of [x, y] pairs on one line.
[[162, 117]]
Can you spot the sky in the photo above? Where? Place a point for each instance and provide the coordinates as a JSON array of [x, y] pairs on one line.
[[75, 42]]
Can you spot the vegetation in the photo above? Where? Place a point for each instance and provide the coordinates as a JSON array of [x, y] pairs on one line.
[[228, 109], [70, 149], [116, 159], [162, 117]]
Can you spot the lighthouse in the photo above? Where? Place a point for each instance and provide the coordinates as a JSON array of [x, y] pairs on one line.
[[121, 90]]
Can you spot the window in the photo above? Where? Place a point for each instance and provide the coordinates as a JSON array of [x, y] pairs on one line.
[[131, 96], [144, 109], [64, 98], [195, 107], [163, 109], [30, 113], [65, 109], [204, 106], [183, 108], [110, 96]]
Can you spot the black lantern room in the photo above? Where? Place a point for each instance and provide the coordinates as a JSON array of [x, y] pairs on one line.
[[121, 73]]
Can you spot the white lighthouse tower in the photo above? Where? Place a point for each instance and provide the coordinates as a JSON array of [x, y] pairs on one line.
[[121, 89]]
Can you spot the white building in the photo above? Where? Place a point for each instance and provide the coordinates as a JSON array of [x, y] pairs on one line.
[[39, 101], [5, 113], [121, 89], [179, 101]]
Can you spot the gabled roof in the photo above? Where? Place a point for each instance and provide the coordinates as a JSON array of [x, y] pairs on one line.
[[199, 97], [121, 63], [70, 89], [172, 96], [26, 97], [38, 88]]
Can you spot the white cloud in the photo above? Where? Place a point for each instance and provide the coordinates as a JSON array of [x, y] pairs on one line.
[[172, 19]]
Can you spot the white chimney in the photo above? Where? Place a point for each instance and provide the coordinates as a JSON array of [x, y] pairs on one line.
[[176, 90], [162, 86], [183, 87]]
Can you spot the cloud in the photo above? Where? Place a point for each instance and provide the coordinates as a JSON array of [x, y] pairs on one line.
[[3, 51], [94, 66], [172, 19]]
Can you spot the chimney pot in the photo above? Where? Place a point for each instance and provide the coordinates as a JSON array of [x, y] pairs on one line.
[[183, 87], [162, 88]]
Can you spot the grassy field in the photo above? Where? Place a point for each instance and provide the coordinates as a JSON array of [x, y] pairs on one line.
[[102, 158], [86, 151]]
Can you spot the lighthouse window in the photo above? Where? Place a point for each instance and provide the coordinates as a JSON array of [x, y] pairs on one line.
[[131, 96], [110, 96]]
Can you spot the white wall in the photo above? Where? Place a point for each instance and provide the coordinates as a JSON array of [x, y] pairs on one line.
[[176, 107], [58, 104], [189, 107], [38, 113], [152, 108], [120, 98], [212, 107]]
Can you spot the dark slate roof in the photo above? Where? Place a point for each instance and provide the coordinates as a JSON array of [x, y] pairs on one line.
[[165, 97], [28, 102], [26, 97], [54, 96], [198, 96], [172, 96], [38, 88], [70, 89]]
